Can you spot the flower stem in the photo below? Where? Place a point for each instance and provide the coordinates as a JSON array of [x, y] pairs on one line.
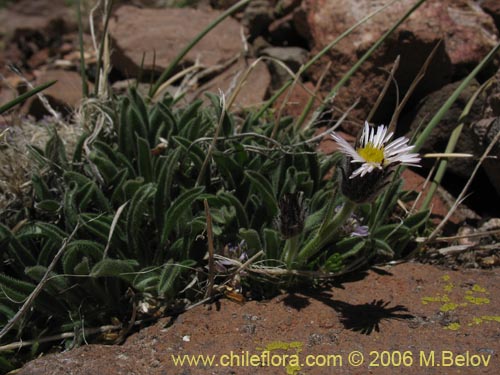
[[327, 232]]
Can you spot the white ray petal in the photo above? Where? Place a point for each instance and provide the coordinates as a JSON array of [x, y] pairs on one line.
[[347, 149], [395, 152]]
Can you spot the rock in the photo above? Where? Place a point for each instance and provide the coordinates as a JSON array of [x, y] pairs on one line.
[[492, 7], [481, 126], [39, 58], [441, 202], [287, 6], [490, 128], [257, 17], [296, 100], [468, 34], [35, 30], [464, 231], [487, 127], [282, 32], [222, 4], [253, 91], [162, 38], [492, 224], [399, 306], [64, 96], [34, 15], [467, 143], [258, 45], [292, 57], [7, 93]]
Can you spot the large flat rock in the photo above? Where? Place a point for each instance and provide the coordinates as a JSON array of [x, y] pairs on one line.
[[160, 34], [421, 310]]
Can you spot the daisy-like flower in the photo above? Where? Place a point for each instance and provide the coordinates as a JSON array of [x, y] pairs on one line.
[[373, 150]]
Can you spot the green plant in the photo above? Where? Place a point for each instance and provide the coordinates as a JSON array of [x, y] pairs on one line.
[[132, 190], [21, 98], [126, 209]]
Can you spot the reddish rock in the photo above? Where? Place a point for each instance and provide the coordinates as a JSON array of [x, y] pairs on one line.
[[257, 16], [34, 30], [253, 91], [287, 6], [33, 15], [492, 7], [64, 96], [7, 93], [168, 31], [222, 4], [468, 34], [441, 201], [409, 308], [39, 58], [296, 100]]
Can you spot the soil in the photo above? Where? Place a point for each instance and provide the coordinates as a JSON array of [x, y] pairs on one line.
[[410, 317]]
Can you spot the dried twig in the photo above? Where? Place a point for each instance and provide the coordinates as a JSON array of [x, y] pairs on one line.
[[61, 336], [487, 233]]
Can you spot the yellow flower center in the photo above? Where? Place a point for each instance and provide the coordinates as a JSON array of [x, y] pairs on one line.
[[371, 154]]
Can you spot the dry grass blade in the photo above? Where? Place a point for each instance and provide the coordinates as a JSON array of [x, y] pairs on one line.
[[471, 235], [214, 140], [164, 86], [381, 96], [31, 298], [282, 106], [113, 226], [447, 155], [61, 336], [413, 86], [461, 196], [319, 137], [313, 97]]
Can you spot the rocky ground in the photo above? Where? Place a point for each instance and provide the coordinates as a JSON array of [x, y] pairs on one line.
[[408, 307], [367, 324]]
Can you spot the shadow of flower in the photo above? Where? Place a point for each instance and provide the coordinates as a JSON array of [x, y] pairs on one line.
[[365, 318]]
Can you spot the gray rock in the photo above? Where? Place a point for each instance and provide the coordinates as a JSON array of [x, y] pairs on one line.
[[292, 57]]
